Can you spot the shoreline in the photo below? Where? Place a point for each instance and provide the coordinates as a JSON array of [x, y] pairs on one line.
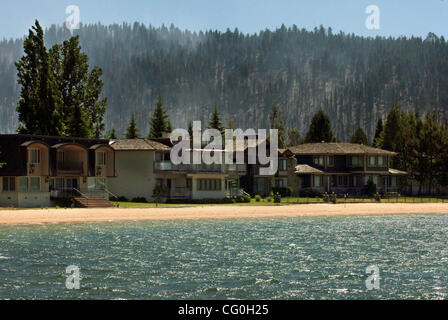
[[52, 216]]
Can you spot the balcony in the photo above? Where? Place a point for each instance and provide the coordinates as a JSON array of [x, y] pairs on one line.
[[164, 166], [70, 167]]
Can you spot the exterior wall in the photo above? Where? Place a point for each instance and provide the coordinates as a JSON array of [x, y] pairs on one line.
[[9, 199], [34, 199], [134, 174], [109, 169]]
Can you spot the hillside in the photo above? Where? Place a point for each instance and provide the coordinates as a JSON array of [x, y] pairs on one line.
[[354, 79]]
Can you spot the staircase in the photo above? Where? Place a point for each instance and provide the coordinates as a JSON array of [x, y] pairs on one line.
[[92, 203]]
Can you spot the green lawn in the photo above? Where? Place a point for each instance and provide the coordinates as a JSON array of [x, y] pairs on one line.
[[285, 201]]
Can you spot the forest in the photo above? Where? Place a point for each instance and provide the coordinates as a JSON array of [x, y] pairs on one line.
[[355, 80]]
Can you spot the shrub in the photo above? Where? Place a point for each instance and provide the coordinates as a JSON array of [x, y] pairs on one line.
[[119, 199], [139, 200], [284, 192], [334, 198], [258, 198], [277, 198]]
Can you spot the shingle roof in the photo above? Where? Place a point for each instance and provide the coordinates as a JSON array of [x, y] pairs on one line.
[[306, 169], [138, 145], [337, 148]]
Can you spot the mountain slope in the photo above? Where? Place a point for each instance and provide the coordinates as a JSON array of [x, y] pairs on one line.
[[354, 79]]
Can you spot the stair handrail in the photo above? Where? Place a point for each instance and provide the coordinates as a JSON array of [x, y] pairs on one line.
[[82, 195], [107, 190]]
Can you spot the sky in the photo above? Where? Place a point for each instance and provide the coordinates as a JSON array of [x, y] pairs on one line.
[[396, 17]]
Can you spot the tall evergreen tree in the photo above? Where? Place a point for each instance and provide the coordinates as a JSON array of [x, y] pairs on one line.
[[132, 130], [59, 95], [320, 129], [276, 122], [215, 121], [378, 131], [159, 122], [359, 137], [40, 101], [390, 134]]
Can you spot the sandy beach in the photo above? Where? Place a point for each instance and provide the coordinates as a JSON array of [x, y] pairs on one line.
[[14, 217]]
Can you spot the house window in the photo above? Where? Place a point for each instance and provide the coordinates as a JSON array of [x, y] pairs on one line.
[[393, 181], [9, 184], [34, 156], [23, 184], [209, 185], [35, 184], [283, 165], [317, 181], [355, 161], [372, 161], [330, 161], [380, 161], [101, 158], [319, 161], [280, 183]]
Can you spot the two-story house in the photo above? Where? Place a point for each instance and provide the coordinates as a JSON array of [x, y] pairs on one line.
[[39, 169], [345, 168]]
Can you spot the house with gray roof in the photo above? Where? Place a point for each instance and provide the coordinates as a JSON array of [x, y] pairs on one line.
[[345, 168]]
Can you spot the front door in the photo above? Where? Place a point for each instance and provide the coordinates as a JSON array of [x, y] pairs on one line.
[[71, 183]]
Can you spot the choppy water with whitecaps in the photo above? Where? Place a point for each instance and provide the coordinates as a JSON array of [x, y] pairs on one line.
[[286, 258]]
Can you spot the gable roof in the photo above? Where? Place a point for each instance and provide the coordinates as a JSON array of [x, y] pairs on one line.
[[338, 148], [138, 145]]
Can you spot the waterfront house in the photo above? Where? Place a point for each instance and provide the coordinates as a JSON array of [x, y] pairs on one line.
[[345, 168], [40, 170]]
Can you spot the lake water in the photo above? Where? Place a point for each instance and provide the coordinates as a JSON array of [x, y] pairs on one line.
[[287, 258]]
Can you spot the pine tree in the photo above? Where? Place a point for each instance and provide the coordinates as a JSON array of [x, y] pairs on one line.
[[59, 95], [159, 122], [378, 131], [276, 122], [132, 130], [40, 100], [112, 134], [360, 137], [320, 129], [391, 131], [215, 121]]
